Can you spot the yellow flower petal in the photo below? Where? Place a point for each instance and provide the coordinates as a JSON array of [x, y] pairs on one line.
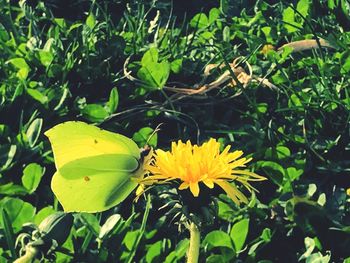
[[183, 186], [191, 164], [209, 183], [194, 187]]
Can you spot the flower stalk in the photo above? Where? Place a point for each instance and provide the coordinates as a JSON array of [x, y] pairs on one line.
[[195, 241], [29, 256]]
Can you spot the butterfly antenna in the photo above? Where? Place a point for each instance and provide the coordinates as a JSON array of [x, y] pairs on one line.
[[157, 129]]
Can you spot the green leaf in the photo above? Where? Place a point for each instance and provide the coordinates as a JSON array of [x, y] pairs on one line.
[[272, 170], [154, 251], [94, 112], [113, 100], [218, 238], [214, 14], [22, 66], [7, 153], [266, 235], [267, 30], [90, 21], [32, 176], [179, 252], [154, 74], [12, 189], [303, 7], [151, 56], [226, 34], [199, 21], [294, 173], [310, 246], [91, 222], [318, 258], [239, 233], [8, 232], [37, 95], [143, 137], [109, 225], [215, 259], [19, 63], [289, 18], [43, 213], [33, 131], [130, 239], [45, 57], [280, 152], [311, 190], [176, 65], [19, 212]]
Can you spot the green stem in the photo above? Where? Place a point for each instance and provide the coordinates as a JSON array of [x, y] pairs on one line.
[[195, 241]]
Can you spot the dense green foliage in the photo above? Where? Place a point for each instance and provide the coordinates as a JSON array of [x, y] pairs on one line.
[[117, 64]]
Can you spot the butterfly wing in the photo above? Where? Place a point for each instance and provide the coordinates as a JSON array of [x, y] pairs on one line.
[[74, 140], [94, 184], [94, 167]]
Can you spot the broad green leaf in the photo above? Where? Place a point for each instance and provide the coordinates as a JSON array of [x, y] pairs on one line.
[[272, 170], [176, 65], [130, 239], [155, 75], [199, 21], [143, 137], [154, 251], [19, 63], [90, 21], [151, 56], [289, 18], [19, 212], [303, 7], [218, 238], [94, 112], [45, 57], [179, 252], [43, 213], [32, 176], [294, 173], [214, 14], [280, 152], [239, 233]]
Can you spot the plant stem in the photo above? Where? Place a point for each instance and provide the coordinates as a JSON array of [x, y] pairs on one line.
[[195, 241], [29, 256]]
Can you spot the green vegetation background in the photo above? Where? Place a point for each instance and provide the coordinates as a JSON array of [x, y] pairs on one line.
[[66, 60]]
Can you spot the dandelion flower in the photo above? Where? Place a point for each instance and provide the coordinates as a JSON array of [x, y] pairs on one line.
[[191, 165]]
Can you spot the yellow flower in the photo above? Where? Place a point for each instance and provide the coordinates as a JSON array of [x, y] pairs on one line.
[[192, 164]]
